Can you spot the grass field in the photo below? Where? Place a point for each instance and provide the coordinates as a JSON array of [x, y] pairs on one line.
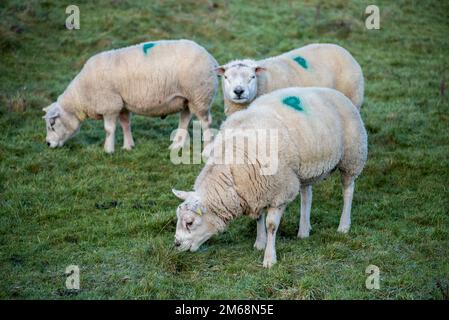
[[114, 215]]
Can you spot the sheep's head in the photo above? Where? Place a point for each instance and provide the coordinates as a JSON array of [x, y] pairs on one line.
[[195, 225], [60, 124], [240, 80]]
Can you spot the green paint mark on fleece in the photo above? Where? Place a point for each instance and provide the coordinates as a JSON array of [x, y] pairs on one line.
[[293, 102], [302, 62], [147, 46]]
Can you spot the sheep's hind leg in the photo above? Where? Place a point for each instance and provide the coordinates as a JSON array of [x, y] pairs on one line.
[[348, 192], [261, 239], [306, 204], [181, 133], [273, 219], [110, 122], [206, 121], [125, 122]]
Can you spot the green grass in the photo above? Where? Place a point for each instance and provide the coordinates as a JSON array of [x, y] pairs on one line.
[[114, 216]]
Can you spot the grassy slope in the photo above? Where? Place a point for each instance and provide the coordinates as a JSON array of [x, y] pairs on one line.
[[55, 203]]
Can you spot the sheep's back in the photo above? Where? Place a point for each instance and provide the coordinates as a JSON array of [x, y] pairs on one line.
[[145, 75], [311, 124], [314, 65]]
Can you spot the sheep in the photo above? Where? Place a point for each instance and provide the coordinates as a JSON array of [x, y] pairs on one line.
[[318, 131], [152, 79], [314, 65]]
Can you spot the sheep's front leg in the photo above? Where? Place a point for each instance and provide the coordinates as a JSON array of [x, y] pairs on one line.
[[125, 122], [261, 239], [110, 122], [273, 219], [306, 204], [348, 192], [181, 134]]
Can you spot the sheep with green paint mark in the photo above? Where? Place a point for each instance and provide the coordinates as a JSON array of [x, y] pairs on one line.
[[315, 65], [317, 130], [153, 79]]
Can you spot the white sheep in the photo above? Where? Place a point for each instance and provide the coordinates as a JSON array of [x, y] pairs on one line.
[[314, 65], [153, 79], [318, 130]]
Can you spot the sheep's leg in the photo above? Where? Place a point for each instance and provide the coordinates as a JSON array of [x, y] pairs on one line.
[[306, 204], [206, 121], [181, 134], [125, 122], [261, 239], [348, 191], [110, 122], [273, 219]]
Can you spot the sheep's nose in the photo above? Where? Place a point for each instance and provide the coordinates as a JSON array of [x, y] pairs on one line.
[[238, 91], [177, 243], [48, 143]]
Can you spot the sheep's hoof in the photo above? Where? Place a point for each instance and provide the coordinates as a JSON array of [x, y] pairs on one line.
[[303, 234], [109, 151], [260, 245], [343, 229], [128, 148], [268, 263]]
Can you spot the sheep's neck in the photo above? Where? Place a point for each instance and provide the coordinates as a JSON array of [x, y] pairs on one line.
[[231, 107], [220, 197], [224, 209]]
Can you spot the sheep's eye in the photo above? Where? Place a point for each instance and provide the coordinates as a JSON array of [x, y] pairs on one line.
[[188, 225], [253, 77], [52, 122]]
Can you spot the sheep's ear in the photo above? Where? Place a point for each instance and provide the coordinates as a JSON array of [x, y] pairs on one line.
[[183, 195], [51, 114], [220, 70], [50, 111], [260, 70]]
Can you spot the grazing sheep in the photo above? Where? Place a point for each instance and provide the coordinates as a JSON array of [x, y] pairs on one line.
[[318, 131], [314, 65], [153, 79]]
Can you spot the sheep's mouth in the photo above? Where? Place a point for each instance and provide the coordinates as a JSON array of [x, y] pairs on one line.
[[52, 145], [240, 100], [183, 248]]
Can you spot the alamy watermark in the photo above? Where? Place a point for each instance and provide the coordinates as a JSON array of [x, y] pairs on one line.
[[372, 22], [373, 280], [72, 281], [73, 20], [259, 147]]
